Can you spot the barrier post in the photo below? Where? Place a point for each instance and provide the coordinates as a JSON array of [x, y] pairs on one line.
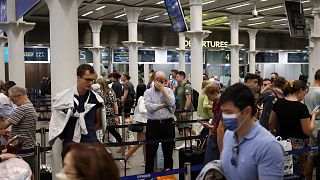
[[318, 157], [37, 161], [187, 173], [123, 132], [43, 144]]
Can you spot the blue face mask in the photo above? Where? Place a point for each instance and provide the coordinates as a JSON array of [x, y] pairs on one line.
[[230, 121]]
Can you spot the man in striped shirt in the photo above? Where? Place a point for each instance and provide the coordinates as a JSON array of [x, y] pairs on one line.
[[23, 121]]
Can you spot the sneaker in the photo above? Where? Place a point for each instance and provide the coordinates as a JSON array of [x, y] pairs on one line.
[[125, 164]]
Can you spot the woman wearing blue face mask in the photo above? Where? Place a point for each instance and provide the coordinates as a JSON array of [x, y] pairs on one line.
[[249, 152], [294, 120]]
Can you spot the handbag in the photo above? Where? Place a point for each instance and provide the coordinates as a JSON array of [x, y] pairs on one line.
[[288, 161], [135, 127]]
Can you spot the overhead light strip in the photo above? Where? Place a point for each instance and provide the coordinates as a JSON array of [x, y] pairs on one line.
[[254, 24], [277, 20], [151, 17], [256, 18], [305, 1], [99, 8], [165, 14], [271, 8], [208, 2], [241, 5], [86, 14], [160, 2], [120, 15], [307, 9]]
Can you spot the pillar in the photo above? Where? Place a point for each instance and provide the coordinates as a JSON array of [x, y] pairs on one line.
[[252, 50], [196, 35], [146, 70], [312, 60], [3, 41], [182, 52], [64, 45], [315, 37], [15, 32], [234, 47], [96, 49], [133, 44]]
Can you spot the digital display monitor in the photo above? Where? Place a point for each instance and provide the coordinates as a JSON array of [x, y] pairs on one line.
[[36, 55], [176, 16], [85, 56], [173, 56], [298, 57], [296, 19], [121, 55], [267, 57], [146, 56]]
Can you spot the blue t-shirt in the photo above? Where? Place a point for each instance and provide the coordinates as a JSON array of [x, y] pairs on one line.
[[89, 119], [259, 156]]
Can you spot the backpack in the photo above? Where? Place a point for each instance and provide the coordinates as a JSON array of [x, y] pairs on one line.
[[194, 96]]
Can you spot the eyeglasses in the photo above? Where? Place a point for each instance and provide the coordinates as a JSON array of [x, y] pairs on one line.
[[88, 79], [234, 158]]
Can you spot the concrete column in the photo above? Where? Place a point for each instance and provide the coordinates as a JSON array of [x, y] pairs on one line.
[[15, 31], [252, 50], [64, 46], [3, 41], [182, 52], [312, 60], [96, 50], [133, 44], [146, 69], [196, 35], [234, 47], [315, 37]]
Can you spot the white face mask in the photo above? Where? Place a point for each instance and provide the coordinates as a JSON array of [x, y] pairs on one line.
[[62, 176]]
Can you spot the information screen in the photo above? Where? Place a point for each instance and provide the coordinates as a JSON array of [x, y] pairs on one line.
[[267, 57], [121, 55], [176, 16], [298, 57]]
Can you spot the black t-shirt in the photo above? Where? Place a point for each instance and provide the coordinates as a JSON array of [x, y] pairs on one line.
[[117, 88], [289, 114], [131, 94]]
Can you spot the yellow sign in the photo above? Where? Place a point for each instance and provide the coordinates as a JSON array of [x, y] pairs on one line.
[[210, 44]]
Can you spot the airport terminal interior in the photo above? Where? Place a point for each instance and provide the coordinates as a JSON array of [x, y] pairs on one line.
[[181, 57]]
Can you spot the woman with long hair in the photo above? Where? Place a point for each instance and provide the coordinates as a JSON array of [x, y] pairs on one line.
[[294, 120], [111, 106], [140, 116]]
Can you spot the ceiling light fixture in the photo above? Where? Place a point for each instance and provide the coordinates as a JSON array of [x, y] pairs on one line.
[[305, 1], [86, 14], [208, 2], [120, 15], [160, 2], [165, 14], [254, 24], [277, 20], [241, 5], [307, 9], [152, 17], [256, 18], [263, 0], [99, 8], [271, 8]]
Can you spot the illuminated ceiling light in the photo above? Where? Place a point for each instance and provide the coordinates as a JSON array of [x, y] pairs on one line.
[[256, 18], [215, 21], [263, 0], [208, 2], [267, 9], [307, 9], [120, 15], [165, 14], [160, 2], [241, 5], [86, 14], [152, 17], [277, 20], [226, 23], [254, 24], [99, 8], [118, 0], [285, 24], [305, 1]]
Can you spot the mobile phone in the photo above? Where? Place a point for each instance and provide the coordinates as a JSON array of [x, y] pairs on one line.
[[316, 108]]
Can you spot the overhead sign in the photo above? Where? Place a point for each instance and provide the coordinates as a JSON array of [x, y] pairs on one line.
[[3, 10], [209, 44], [32, 55], [23, 6]]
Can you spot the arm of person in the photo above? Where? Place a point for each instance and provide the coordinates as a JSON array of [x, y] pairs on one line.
[[124, 97], [141, 106], [270, 162], [4, 124], [150, 105], [220, 135], [6, 156], [307, 125], [98, 121], [207, 104], [272, 122]]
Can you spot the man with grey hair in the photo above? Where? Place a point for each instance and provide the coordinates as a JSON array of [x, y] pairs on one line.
[[159, 102], [23, 121]]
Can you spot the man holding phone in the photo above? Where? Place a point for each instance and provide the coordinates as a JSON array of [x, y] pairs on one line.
[[159, 101], [312, 101]]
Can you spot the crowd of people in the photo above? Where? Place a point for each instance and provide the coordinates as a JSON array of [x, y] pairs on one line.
[[244, 118]]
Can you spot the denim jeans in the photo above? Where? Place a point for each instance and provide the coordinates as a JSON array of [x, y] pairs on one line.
[[212, 150]]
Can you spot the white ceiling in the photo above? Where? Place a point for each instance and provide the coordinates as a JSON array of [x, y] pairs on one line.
[[274, 19]]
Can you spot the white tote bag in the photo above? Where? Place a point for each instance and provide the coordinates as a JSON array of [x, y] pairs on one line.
[[288, 162]]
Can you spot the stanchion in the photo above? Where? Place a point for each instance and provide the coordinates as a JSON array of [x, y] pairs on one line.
[[187, 173], [43, 144], [123, 132], [318, 158], [37, 163]]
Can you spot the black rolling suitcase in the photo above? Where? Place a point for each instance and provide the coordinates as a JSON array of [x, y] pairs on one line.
[[193, 155]]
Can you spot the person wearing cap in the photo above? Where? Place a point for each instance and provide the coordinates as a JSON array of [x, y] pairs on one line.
[[249, 152]]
